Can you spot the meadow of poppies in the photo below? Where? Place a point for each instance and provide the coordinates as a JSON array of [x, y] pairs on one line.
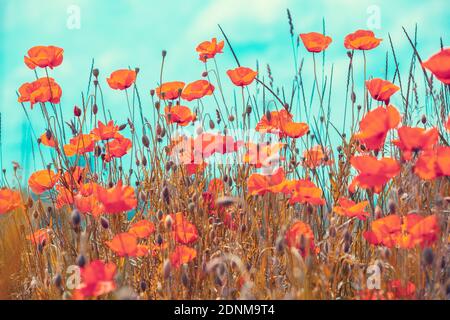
[[203, 194]]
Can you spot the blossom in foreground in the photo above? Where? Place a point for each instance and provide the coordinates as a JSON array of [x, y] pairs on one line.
[[373, 128], [42, 90], [105, 131], [181, 255], [80, 144], [259, 184], [184, 231], [413, 140], [10, 200], [47, 140], [439, 65], [125, 245], [301, 237], [97, 278], [208, 49], [434, 163], [180, 115], [373, 173], [403, 231], [117, 199], [381, 90], [348, 208], [121, 79], [197, 90], [361, 40], [242, 76], [42, 180], [316, 157], [306, 192], [263, 154], [170, 90], [142, 228], [43, 57], [281, 122], [315, 42], [117, 148]]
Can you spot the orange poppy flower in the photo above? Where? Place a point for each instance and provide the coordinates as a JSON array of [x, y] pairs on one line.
[[185, 232], [209, 49], [10, 200], [281, 122], [117, 148], [439, 65], [44, 56], [42, 90], [381, 90], [348, 208], [306, 192], [88, 204], [125, 245], [413, 140], [301, 237], [64, 196], [105, 132], [259, 184], [181, 255], [121, 79], [180, 115], [81, 144], [142, 228], [48, 142], [316, 157], [373, 128], [39, 237], [197, 90], [361, 40], [373, 173], [207, 144], [215, 186], [315, 42], [433, 163], [170, 90], [403, 232], [262, 155], [117, 199], [97, 278], [73, 177], [242, 76], [42, 180]]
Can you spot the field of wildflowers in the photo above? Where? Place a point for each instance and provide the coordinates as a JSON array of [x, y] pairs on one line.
[[200, 193]]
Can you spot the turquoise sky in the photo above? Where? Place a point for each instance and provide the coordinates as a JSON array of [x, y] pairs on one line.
[[121, 33]]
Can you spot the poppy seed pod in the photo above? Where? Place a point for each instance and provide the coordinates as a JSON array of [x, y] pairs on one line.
[[76, 218], [166, 269], [163, 53], [104, 222], [145, 141]]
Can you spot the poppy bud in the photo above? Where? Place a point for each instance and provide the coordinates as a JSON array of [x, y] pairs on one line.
[[185, 279], [205, 74], [95, 72], [211, 124], [104, 222], [157, 105], [168, 222], [80, 261], [76, 218], [428, 256], [57, 280], [191, 206], [166, 269], [144, 161], [279, 244], [248, 110], [231, 118], [424, 119], [160, 215], [159, 239], [353, 97], [136, 70], [76, 111], [94, 109], [143, 285], [122, 126], [164, 53], [145, 141], [95, 82], [268, 115], [392, 206]]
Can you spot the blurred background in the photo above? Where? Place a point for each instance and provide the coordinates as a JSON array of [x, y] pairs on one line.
[[131, 33]]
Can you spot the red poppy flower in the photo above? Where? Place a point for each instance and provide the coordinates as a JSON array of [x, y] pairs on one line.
[[44, 56], [439, 65], [117, 148], [39, 237], [259, 184], [42, 180], [121, 79], [281, 122], [185, 232], [10, 200], [197, 90], [305, 191], [373, 128], [397, 289], [181, 255], [373, 173], [301, 237], [117, 199], [412, 140], [73, 177], [180, 115], [381, 90], [215, 186], [315, 42], [348, 208], [97, 278], [209, 49], [242, 76], [433, 163], [170, 90], [316, 157], [207, 144], [105, 132], [403, 232], [142, 228], [49, 142], [42, 90], [88, 203], [81, 144], [125, 245], [64, 196], [263, 154], [361, 40]]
